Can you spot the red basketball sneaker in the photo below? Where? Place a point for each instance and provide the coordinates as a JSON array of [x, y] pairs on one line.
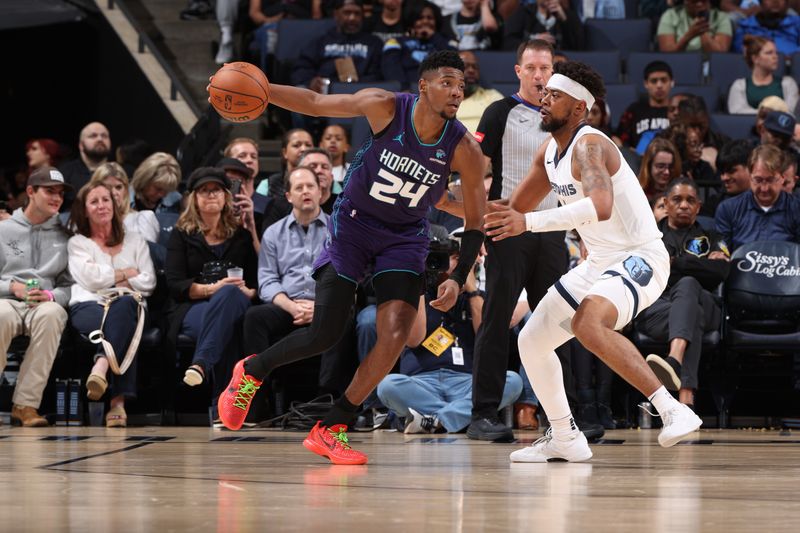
[[332, 443], [234, 402]]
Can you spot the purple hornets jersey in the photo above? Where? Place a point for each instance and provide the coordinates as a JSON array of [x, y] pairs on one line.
[[395, 177]]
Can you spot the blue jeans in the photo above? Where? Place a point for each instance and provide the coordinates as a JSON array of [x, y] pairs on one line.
[[216, 326], [118, 330], [366, 337], [445, 393]]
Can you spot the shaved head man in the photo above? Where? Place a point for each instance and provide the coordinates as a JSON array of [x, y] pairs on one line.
[[94, 146]]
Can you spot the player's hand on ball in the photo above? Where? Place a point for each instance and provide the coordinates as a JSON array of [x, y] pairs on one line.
[[446, 296], [504, 223]]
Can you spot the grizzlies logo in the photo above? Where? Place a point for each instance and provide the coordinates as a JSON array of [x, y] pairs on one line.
[[638, 270], [699, 246]]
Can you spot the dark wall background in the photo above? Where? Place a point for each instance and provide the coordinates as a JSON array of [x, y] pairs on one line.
[[58, 78]]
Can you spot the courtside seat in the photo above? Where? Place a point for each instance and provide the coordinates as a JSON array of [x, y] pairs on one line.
[[625, 35]]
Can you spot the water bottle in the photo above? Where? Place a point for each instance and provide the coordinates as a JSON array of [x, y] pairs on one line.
[[30, 285], [645, 418]]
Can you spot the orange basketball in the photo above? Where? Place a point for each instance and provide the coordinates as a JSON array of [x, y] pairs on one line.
[[239, 92]]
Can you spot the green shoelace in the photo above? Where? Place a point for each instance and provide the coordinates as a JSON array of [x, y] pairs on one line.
[[341, 436], [247, 388]]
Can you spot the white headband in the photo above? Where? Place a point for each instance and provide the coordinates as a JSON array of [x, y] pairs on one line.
[[562, 83]]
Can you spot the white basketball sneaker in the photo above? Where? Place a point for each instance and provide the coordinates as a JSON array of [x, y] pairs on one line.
[[547, 449], [678, 422]]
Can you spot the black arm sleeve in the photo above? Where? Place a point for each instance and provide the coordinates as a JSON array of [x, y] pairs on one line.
[[471, 242]]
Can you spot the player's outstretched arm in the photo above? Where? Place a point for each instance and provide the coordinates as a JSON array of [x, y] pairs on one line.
[[507, 220], [375, 104], [467, 161]]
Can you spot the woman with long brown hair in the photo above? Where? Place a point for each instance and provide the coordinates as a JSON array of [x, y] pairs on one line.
[[103, 256], [212, 275], [661, 164]]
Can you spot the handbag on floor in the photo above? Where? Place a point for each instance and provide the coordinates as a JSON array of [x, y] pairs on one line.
[[108, 297]]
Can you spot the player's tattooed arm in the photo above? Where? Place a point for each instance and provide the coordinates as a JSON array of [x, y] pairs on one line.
[[591, 158]]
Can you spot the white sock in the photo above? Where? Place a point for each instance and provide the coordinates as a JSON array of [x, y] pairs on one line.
[[662, 400], [564, 428], [227, 34]]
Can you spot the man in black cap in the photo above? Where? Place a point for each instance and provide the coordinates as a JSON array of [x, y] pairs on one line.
[[34, 289], [778, 129]]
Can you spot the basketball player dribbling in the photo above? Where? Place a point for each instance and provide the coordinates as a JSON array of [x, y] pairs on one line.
[[378, 223], [626, 270]]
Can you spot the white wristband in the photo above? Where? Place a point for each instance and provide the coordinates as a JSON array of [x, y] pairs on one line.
[[563, 218]]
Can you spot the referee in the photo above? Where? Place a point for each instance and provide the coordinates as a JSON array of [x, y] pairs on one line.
[[509, 135]]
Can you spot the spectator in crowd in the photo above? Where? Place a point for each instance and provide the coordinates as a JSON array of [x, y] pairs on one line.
[[293, 143], [113, 176], [643, 119], [130, 154], [770, 103], [686, 310], [693, 113], [747, 93], [778, 130], [402, 57], [102, 256], [285, 267], [549, 20], [243, 203], [42, 153], [659, 206], [387, 22], [476, 97], [434, 387], [34, 248], [675, 101], [155, 184], [475, 26], [346, 53], [660, 165], [210, 299], [600, 116], [773, 22], [690, 147], [335, 140], [765, 212], [739, 9], [319, 160], [266, 14], [94, 146], [694, 26], [732, 164], [245, 150]]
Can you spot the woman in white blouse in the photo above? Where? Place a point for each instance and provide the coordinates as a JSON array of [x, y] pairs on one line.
[[115, 178], [103, 255]]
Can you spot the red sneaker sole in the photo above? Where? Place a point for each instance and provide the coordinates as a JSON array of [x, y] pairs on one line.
[[314, 447]]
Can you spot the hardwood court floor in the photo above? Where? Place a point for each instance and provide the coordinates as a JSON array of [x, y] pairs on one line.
[[197, 479]]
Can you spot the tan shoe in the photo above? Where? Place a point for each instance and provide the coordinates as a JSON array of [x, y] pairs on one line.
[[525, 416], [116, 417], [25, 416]]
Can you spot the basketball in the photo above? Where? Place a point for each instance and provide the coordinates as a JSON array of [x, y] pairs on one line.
[[239, 92]]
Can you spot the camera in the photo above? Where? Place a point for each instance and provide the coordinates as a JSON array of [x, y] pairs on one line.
[[705, 14], [236, 186], [438, 260]]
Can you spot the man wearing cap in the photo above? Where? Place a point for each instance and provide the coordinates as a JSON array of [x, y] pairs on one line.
[[765, 212], [33, 246], [625, 271], [778, 129]]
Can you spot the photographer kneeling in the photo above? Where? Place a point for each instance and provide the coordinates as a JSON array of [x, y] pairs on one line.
[[434, 388]]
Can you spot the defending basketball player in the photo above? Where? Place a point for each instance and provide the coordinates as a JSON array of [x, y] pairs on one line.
[[379, 223], [626, 269]]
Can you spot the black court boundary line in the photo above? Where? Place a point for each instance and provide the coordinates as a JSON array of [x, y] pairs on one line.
[[92, 456]]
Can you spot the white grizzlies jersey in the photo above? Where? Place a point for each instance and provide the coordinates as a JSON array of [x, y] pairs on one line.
[[632, 223]]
